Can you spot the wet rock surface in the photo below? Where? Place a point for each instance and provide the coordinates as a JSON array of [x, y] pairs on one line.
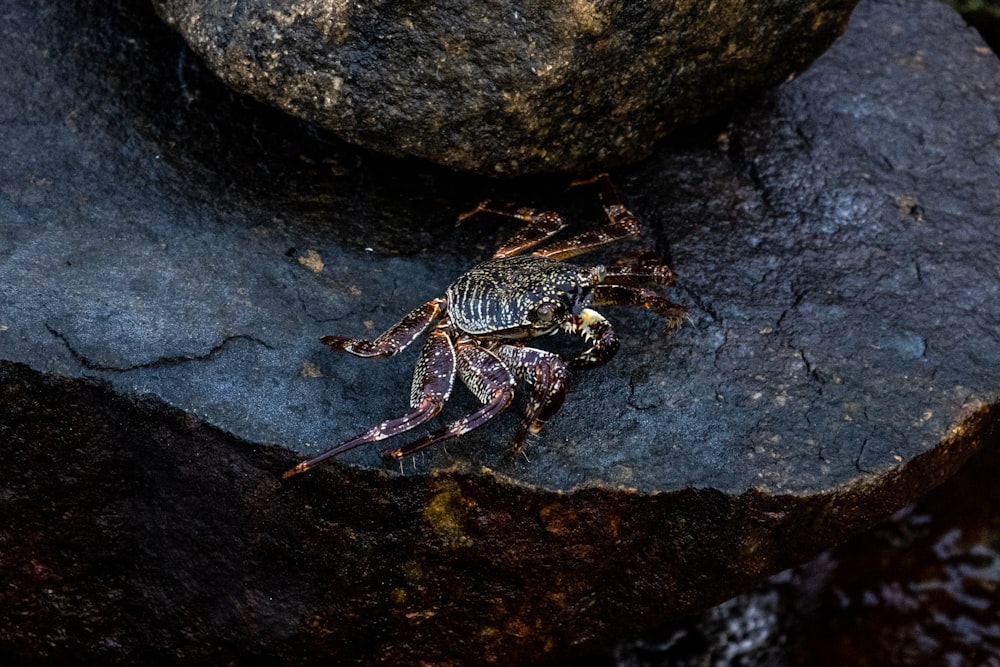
[[501, 87], [171, 253]]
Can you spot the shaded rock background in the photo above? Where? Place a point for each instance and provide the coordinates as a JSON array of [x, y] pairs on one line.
[[171, 254], [501, 87], [983, 15]]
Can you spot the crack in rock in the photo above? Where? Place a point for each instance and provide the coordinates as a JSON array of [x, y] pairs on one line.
[[160, 362]]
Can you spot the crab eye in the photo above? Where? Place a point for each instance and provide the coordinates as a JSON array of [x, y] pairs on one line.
[[544, 313]]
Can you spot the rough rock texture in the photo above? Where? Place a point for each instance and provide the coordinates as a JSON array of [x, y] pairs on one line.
[[170, 255], [500, 86]]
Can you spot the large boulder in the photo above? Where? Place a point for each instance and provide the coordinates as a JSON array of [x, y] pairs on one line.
[[171, 253], [502, 87]]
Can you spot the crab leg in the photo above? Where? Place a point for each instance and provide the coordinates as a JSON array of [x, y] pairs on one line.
[[396, 338], [540, 226], [432, 384], [618, 295], [622, 224], [645, 268], [548, 376], [487, 377]]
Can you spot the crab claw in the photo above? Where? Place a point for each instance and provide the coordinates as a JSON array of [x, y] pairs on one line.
[[599, 332]]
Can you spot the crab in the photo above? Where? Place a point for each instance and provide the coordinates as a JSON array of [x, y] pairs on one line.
[[479, 329]]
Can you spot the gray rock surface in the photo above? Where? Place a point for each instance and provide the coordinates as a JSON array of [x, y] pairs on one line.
[[501, 87], [171, 253]]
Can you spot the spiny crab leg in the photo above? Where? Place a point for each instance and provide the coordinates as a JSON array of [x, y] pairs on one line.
[[645, 268], [396, 338], [540, 226], [432, 384], [544, 224], [548, 376], [620, 295], [487, 377], [622, 224]]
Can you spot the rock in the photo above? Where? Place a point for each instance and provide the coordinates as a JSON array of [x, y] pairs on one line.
[[917, 589], [171, 254], [505, 88]]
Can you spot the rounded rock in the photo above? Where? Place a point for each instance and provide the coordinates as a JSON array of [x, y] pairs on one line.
[[504, 88]]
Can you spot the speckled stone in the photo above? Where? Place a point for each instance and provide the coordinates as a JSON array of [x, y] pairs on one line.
[[503, 87]]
